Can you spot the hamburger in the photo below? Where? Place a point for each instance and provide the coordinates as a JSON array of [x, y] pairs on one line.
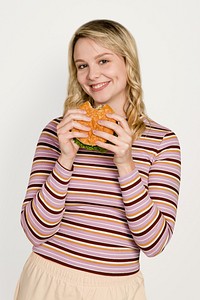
[[96, 114]]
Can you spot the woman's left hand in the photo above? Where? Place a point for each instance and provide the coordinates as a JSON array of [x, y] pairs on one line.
[[121, 144]]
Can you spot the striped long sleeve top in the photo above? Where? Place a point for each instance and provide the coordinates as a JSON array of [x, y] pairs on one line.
[[93, 220]]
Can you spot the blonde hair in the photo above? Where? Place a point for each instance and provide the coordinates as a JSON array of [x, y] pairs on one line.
[[118, 39]]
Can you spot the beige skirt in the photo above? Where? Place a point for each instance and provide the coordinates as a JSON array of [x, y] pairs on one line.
[[42, 279]]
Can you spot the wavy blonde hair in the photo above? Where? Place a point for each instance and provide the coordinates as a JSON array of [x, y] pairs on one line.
[[117, 38]]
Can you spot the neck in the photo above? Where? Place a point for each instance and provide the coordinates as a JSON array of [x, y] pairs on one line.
[[119, 110]]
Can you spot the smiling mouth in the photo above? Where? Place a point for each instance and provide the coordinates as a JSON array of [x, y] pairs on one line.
[[99, 86]]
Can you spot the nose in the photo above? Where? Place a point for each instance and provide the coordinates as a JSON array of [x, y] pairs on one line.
[[93, 72]]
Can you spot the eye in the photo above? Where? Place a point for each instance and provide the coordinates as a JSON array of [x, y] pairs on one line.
[[103, 61], [82, 66]]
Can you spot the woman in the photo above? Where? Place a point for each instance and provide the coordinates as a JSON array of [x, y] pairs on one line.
[[89, 214]]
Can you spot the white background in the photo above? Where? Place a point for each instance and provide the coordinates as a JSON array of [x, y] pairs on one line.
[[34, 38]]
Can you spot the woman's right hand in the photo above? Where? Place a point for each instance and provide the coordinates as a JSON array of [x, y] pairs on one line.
[[65, 135]]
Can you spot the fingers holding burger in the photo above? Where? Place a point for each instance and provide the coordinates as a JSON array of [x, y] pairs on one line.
[[96, 114]]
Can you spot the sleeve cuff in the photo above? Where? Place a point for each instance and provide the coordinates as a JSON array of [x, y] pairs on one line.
[[129, 177], [72, 168], [61, 173]]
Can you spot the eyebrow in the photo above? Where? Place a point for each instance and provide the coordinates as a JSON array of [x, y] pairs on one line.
[[96, 57]]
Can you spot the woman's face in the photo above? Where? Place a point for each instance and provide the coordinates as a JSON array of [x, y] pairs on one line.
[[101, 73]]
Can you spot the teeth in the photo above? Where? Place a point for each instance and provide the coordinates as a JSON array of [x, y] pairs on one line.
[[99, 85]]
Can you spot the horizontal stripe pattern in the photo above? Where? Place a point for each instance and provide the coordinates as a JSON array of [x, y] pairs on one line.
[[93, 220]]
